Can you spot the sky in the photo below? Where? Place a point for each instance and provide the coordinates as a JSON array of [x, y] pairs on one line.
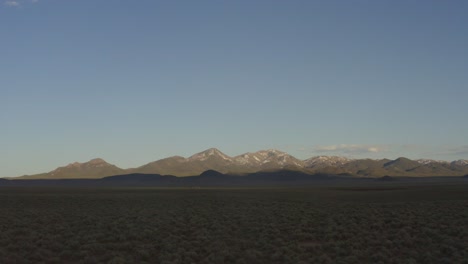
[[136, 81]]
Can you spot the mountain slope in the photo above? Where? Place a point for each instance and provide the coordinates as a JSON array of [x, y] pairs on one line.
[[267, 161], [171, 166], [95, 168], [213, 159], [319, 162], [194, 165]]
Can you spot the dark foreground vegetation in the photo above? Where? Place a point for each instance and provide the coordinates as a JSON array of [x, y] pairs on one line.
[[375, 223]]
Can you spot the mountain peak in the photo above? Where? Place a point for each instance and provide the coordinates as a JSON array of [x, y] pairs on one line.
[[211, 152], [94, 162], [460, 162], [269, 158], [402, 163], [97, 161], [211, 173], [272, 151], [263, 160], [325, 161], [431, 161], [400, 160], [73, 165]]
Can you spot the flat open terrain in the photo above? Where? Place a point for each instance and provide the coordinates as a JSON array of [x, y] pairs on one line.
[[378, 223]]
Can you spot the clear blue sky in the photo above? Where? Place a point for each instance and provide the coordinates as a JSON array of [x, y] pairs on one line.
[[136, 81]]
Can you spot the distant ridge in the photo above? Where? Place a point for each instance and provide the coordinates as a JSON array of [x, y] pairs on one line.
[[261, 161], [212, 178], [95, 168]]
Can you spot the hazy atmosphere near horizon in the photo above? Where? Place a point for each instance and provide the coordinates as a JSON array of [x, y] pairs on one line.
[[136, 81]]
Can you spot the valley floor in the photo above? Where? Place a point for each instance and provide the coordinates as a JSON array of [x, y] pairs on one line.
[[367, 223]]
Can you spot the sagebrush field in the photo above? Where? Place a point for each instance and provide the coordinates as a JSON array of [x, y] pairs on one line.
[[385, 223]]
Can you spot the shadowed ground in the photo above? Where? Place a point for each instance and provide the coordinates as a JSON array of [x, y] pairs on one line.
[[374, 223]]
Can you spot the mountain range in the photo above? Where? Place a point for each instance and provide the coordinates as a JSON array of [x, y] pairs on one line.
[[262, 161]]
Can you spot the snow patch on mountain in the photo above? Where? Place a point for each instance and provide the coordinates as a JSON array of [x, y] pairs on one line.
[[431, 161], [459, 162], [212, 152], [268, 157], [326, 161]]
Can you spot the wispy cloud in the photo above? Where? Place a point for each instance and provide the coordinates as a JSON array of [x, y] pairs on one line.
[[12, 3], [350, 149], [19, 3], [461, 150], [455, 151], [416, 151]]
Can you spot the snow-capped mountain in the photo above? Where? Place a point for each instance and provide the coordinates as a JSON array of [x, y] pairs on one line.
[[431, 161], [209, 153], [214, 159], [459, 163], [264, 160], [325, 161], [268, 157]]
